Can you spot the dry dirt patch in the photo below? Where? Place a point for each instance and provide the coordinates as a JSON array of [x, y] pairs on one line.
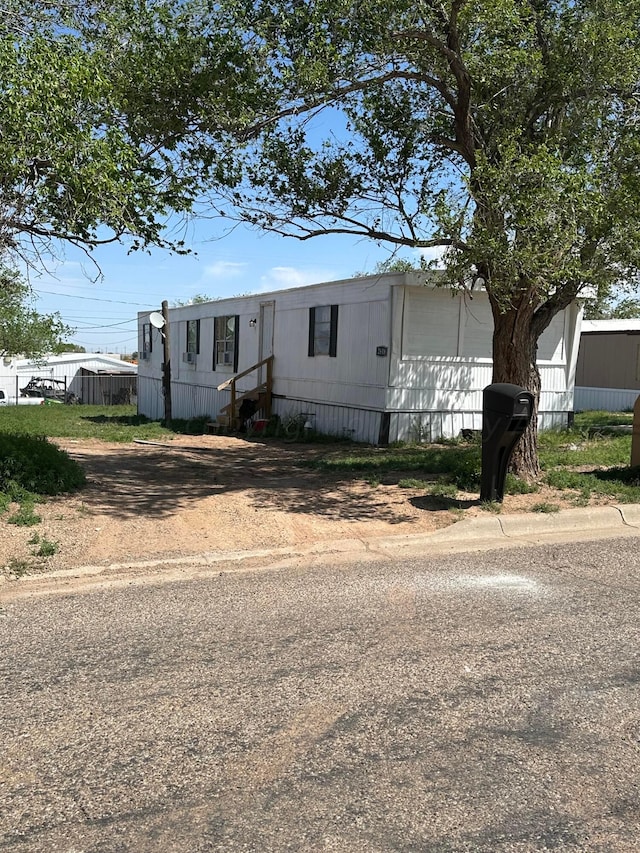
[[213, 494]]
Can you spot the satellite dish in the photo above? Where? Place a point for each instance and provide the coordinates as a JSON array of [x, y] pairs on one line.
[[156, 319]]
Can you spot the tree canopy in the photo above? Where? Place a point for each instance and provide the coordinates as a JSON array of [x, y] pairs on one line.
[[104, 108], [504, 131], [23, 331]]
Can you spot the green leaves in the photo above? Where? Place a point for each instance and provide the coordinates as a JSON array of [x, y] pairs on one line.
[[111, 116], [22, 330]]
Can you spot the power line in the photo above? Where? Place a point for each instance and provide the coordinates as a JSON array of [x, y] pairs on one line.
[[102, 326], [111, 344], [91, 298]]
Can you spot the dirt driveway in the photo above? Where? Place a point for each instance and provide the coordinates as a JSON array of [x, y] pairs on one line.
[[199, 494], [206, 493]]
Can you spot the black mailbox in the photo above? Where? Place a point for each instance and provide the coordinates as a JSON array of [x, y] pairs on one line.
[[506, 412]]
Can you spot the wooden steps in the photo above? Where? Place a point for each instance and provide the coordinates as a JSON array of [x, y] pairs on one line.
[[224, 423], [259, 394], [228, 419]]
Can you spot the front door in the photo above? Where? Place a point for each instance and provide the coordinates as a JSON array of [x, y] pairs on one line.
[[267, 313]]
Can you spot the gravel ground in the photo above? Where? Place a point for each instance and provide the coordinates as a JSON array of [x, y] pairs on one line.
[[199, 494]]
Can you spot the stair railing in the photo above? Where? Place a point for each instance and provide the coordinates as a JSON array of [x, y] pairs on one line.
[[231, 383]]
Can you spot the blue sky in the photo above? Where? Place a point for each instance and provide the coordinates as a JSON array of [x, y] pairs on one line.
[[243, 261]]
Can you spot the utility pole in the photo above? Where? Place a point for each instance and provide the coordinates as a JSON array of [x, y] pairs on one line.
[[166, 365]]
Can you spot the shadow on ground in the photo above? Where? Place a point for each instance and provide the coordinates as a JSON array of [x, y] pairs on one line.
[[156, 480]]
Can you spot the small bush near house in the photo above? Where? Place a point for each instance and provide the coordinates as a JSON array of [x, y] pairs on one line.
[[32, 464], [30, 468]]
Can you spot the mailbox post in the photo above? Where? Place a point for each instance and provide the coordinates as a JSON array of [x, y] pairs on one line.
[[506, 413]]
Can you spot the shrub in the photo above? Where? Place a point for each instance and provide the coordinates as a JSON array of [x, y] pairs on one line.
[[31, 464]]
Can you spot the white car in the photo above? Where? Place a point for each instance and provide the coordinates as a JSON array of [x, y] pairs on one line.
[[21, 401]]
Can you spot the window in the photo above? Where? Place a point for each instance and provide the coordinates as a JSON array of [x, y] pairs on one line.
[[323, 330], [193, 336], [225, 343], [147, 343]]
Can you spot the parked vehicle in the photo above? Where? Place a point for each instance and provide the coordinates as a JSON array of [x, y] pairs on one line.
[[44, 388], [21, 401]]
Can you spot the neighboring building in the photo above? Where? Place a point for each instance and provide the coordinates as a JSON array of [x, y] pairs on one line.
[[608, 369], [88, 377], [379, 358]]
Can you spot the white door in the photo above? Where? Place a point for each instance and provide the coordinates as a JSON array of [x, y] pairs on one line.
[[267, 312]]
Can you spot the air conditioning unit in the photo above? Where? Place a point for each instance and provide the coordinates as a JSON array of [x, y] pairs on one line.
[[189, 357]]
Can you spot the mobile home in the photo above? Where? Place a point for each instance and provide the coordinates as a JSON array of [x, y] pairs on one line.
[[378, 358], [608, 368]]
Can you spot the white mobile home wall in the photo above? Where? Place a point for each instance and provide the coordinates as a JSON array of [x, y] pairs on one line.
[[441, 362], [411, 360]]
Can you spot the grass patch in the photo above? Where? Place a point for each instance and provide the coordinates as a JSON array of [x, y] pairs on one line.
[[623, 484], [571, 448], [31, 464], [594, 421], [443, 490], [24, 516], [591, 442], [108, 423], [491, 506], [413, 483], [461, 465], [18, 568], [545, 506], [515, 486]]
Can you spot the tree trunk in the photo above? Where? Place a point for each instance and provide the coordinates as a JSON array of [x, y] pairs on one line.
[[514, 360]]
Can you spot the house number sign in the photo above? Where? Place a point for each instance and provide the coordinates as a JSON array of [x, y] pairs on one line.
[[381, 350]]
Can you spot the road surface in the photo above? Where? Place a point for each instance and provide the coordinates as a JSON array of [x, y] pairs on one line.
[[477, 702]]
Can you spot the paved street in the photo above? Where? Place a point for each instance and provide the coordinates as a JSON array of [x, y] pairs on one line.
[[475, 702]]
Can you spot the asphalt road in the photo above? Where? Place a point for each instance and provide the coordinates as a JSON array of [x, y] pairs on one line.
[[485, 702]]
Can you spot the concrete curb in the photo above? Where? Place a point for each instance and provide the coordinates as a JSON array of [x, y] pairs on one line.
[[473, 534], [517, 530]]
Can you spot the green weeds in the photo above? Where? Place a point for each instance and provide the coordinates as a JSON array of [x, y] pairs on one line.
[[545, 506], [24, 516], [45, 547]]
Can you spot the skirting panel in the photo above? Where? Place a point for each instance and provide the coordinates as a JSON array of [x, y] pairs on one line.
[[604, 399], [363, 425]]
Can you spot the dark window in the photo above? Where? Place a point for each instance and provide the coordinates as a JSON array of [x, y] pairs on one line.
[[147, 343], [193, 336], [323, 330], [225, 343]]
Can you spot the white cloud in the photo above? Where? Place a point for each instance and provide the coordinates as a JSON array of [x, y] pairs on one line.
[[283, 278], [434, 253], [224, 269]]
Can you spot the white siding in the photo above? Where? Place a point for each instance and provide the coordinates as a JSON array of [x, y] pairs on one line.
[[478, 327], [551, 344], [436, 363], [431, 384], [433, 426], [355, 377], [150, 398], [604, 399], [430, 323]]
